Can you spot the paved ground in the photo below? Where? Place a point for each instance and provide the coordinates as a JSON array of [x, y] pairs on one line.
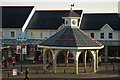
[[106, 71]]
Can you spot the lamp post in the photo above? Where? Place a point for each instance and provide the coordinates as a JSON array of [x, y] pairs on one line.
[[21, 40]]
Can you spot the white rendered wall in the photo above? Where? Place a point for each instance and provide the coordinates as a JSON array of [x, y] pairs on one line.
[[6, 33], [106, 30], [47, 33]]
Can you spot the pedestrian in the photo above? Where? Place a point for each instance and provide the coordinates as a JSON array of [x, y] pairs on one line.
[[26, 74], [34, 61], [5, 64], [49, 65], [90, 61], [99, 60], [113, 61], [14, 61]]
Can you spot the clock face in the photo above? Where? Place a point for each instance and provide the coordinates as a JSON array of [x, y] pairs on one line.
[[73, 22], [66, 21]]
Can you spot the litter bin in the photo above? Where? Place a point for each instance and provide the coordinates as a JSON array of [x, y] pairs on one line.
[[15, 72]]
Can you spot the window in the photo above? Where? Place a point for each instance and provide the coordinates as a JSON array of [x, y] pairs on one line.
[[92, 35], [73, 22], [42, 35], [102, 35], [1, 34], [66, 22], [12, 34], [110, 35], [32, 34]]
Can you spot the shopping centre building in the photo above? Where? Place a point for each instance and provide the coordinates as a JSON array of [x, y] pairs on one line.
[[41, 24]]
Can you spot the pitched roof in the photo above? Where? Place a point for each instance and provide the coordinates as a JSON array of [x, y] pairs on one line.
[[15, 16], [98, 20], [71, 37], [51, 19], [71, 14]]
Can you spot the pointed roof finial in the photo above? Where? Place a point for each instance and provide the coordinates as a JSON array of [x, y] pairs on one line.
[[72, 5]]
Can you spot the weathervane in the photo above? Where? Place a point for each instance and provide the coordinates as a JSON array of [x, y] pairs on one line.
[[72, 5]]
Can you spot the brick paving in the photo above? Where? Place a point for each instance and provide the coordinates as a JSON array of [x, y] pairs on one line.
[[106, 70]]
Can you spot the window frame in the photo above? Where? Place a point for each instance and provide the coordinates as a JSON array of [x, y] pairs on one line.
[[2, 33], [32, 34], [110, 36], [93, 35], [42, 35], [11, 34], [102, 36]]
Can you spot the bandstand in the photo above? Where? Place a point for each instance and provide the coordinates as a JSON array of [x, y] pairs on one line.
[[70, 39]]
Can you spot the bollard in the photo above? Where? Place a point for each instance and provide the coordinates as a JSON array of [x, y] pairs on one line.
[[84, 70], [106, 68], [36, 71], [8, 74], [113, 67], [64, 70], [21, 69], [18, 73], [58, 64], [44, 71]]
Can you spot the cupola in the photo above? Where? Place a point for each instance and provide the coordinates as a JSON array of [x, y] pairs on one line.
[[71, 19]]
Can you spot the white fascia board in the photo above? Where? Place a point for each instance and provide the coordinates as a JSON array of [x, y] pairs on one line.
[[77, 48], [106, 25], [28, 19], [80, 19]]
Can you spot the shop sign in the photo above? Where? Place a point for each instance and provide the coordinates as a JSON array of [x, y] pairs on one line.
[[18, 49], [15, 72], [24, 49]]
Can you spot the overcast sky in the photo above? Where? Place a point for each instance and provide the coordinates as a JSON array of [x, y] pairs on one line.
[[87, 5]]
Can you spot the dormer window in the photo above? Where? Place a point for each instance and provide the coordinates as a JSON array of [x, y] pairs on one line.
[[102, 35], [110, 35]]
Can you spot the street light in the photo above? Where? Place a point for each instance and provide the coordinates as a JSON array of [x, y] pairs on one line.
[[21, 40]]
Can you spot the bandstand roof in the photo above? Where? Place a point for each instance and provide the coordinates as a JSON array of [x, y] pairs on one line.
[[71, 14], [71, 38]]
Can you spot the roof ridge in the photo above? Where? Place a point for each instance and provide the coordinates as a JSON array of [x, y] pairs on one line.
[[16, 6]]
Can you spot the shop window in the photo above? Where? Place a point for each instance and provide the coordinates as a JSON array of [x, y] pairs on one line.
[[102, 35], [92, 35], [110, 35]]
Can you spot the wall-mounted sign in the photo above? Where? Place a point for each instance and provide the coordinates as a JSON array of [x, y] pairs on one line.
[[18, 49], [24, 49]]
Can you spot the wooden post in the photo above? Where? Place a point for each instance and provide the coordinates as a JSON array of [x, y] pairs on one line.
[[97, 60], [106, 54], [84, 59], [76, 66]]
